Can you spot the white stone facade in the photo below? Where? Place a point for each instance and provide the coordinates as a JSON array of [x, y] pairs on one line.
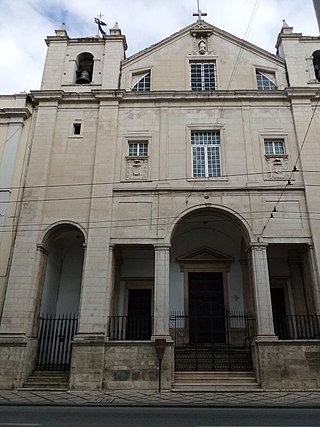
[[130, 215]]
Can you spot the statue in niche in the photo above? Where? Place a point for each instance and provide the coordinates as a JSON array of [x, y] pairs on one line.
[[202, 46]]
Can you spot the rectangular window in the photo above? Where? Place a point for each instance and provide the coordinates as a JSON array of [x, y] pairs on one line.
[[138, 149], [266, 80], [203, 75], [206, 157], [274, 147], [76, 128]]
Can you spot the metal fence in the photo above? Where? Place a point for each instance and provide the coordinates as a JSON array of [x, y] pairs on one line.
[[297, 327], [55, 340], [212, 342], [132, 328]]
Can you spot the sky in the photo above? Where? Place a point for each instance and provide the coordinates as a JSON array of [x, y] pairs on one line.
[[24, 25]]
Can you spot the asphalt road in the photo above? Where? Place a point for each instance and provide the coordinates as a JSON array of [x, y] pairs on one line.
[[54, 416]]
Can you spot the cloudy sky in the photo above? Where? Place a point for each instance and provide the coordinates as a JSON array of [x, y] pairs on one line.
[[24, 24]]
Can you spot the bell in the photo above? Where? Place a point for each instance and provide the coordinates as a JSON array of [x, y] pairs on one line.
[[84, 78]]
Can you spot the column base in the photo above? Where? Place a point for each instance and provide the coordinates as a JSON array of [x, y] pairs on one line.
[[266, 338], [168, 338]]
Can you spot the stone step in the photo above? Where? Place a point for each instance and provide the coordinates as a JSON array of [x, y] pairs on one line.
[[214, 381], [47, 380]]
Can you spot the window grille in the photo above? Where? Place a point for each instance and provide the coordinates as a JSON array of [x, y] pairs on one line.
[[203, 75], [266, 81], [274, 147], [143, 84], [138, 149], [206, 156]]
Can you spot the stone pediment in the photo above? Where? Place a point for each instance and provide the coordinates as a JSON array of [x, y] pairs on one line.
[[205, 255]]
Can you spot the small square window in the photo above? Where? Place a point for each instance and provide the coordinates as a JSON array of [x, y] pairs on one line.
[[138, 149], [274, 147], [76, 128]]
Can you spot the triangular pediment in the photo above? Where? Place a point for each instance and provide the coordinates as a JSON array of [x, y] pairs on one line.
[[203, 27], [205, 255]]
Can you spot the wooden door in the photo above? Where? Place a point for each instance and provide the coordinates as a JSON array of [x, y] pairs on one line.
[[206, 308]]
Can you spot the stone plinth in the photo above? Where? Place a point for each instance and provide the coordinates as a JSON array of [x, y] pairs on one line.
[[289, 365], [87, 362], [135, 366]]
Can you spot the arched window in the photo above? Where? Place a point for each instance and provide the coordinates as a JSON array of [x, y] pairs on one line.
[[316, 64], [141, 83], [84, 68]]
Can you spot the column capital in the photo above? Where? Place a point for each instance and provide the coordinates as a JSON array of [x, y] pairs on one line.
[[41, 247], [162, 246], [257, 246]]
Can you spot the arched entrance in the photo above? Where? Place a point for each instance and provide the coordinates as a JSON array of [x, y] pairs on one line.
[[59, 308], [210, 293]]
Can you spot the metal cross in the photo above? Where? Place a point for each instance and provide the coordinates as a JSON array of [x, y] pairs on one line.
[[100, 16], [199, 14]]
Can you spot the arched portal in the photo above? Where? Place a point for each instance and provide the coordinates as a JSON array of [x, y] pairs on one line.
[[63, 275], [60, 297], [210, 292], [209, 240]]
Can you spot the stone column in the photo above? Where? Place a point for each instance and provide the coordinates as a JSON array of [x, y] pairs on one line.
[[261, 290], [161, 291], [110, 285], [311, 257]]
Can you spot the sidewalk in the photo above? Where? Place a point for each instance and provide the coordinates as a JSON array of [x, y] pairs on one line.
[[297, 399]]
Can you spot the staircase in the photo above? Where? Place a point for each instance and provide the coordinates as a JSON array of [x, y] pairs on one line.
[[214, 381], [47, 380]]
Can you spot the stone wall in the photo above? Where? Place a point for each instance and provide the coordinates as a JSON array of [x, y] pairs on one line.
[[286, 365], [87, 363], [17, 358], [135, 365]]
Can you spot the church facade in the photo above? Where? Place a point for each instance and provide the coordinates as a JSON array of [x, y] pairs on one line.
[[169, 219]]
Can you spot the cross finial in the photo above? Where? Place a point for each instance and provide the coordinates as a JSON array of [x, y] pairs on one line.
[[100, 24], [199, 14]]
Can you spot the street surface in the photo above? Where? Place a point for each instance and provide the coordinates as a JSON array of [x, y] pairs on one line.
[[56, 416]]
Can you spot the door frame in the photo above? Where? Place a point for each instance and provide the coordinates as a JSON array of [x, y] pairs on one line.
[[136, 283], [205, 260]]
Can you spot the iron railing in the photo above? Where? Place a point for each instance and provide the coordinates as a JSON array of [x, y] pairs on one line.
[[297, 327], [132, 328], [230, 329], [55, 340], [208, 342]]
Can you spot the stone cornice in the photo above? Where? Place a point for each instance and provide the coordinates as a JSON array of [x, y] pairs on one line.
[[211, 187], [218, 95], [23, 113]]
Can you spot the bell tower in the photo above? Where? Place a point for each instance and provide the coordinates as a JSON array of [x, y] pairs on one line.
[[83, 64]]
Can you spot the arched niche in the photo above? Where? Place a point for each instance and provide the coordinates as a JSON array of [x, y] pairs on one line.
[[84, 71], [63, 272]]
